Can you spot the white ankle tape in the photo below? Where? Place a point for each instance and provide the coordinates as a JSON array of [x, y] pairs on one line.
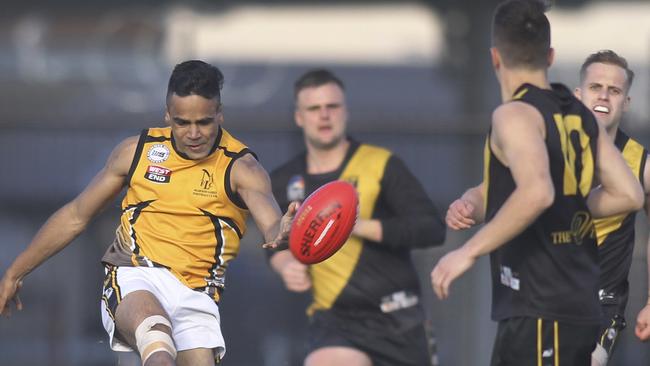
[[150, 340]]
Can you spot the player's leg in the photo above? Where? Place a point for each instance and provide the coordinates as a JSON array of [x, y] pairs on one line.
[[197, 329], [133, 316], [329, 343], [609, 332], [576, 342], [142, 322], [519, 341], [388, 346], [128, 359], [530, 341], [197, 357], [337, 356]]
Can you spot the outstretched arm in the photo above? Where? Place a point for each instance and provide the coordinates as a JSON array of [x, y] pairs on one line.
[[413, 220], [68, 222], [518, 141], [642, 329], [252, 183]]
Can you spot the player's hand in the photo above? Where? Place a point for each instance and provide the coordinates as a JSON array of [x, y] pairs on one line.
[[642, 329], [295, 276], [281, 241], [9, 288], [459, 215], [450, 267]]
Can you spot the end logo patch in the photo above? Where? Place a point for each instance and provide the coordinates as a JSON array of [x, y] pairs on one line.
[[158, 174]]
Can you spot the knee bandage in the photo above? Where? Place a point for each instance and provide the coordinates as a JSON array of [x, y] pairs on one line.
[[151, 340]]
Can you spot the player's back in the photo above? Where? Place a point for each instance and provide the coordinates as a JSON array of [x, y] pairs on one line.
[[551, 269]]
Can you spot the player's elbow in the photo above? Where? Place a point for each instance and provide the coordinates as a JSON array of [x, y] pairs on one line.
[[543, 196], [635, 196], [73, 216]]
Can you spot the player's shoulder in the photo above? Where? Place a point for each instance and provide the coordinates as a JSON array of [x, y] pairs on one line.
[[232, 143], [515, 106], [123, 154], [623, 138], [127, 147], [516, 111], [248, 172]]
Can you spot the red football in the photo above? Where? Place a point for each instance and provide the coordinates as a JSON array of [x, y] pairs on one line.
[[324, 222]]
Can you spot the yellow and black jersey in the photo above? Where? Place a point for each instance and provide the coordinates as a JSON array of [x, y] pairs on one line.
[[550, 270], [179, 213], [363, 276], [616, 234]]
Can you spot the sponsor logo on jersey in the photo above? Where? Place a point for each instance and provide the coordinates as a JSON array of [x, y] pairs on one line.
[[206, 185], [607, 298], [509, 278], [207, 179], [582, 227], [296, 188], [158, 174], [158, 153], [398, 300]]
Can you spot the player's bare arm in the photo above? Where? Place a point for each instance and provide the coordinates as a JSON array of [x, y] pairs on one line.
[[369, 229], [68, 222], [251, 181], [517, 140], [642, 329], [619, 190], [468, 210]]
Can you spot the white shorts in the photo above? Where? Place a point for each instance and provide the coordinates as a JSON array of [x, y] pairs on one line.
[[194, 315]]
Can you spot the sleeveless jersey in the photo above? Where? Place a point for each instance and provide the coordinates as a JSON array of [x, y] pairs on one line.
[[550, 270], [179, 213], [362, 277], [616, 233], [331, 276]]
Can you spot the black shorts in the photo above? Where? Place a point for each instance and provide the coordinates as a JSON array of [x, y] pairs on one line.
[[612, 325], [389, 346], [523, 341]]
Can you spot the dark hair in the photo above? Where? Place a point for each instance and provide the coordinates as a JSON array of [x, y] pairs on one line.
[[522, 34], [315, 78], [195, 77], [608, 57]]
